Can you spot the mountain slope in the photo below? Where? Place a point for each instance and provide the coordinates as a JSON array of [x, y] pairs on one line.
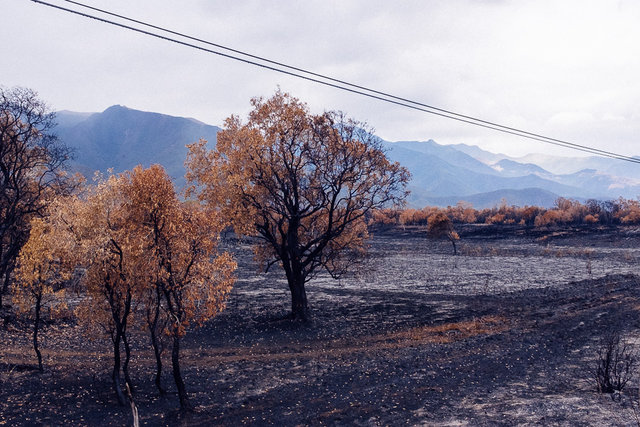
[[434, 178], [121, 138], [523, 197], [508, 167], [451, 155]]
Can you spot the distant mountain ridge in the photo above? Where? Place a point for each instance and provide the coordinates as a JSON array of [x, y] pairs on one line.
[[121, 138]]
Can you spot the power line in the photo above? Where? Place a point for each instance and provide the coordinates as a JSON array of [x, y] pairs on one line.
[[493, 125], [330, 81]]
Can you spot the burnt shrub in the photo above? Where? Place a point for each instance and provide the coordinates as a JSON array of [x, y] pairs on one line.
[[615, 364]]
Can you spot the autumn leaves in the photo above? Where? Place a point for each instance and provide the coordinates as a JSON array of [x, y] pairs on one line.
[[142, 253], [301, 184]]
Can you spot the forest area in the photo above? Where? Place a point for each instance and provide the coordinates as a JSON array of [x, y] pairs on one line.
[[290, 284]]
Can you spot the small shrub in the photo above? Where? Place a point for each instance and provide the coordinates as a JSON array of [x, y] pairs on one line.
[[591, 219], [615, 364]]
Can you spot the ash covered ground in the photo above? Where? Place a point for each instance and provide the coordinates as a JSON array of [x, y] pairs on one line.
[[505, 333]]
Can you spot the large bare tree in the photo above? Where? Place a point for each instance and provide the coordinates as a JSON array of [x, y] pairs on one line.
[[302, 183], [31, 165]]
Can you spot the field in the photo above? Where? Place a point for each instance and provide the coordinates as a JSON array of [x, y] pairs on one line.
[[505, 333]]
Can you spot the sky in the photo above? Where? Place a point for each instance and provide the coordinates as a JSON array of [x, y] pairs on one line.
[[568, 70]]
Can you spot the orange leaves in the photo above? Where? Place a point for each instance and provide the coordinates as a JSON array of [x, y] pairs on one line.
[[195, 279], [130, 233], [566, 212], [301, 182], [439, 224], [177, 247], [41, 268]]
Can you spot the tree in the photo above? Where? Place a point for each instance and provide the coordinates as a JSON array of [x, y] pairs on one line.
[[108, 251], [181, 243], [31, 168], [302, 183], [144, 252], [440, 225], [40, 274]]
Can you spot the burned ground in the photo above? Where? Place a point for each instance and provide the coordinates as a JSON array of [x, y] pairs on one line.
[[504, 333]]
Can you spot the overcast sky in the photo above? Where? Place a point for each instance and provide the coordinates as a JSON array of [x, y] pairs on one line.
[[565, 69]]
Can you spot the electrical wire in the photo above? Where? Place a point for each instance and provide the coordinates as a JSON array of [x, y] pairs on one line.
[[330, 81], [452, 113]]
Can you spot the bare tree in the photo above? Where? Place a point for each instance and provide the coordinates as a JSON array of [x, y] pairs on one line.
[[31, 168], [615, 364]]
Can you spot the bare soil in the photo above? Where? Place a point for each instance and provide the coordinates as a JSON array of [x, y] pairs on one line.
[[505, 333]]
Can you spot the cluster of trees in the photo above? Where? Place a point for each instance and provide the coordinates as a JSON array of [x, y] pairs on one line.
[[565, 212], [140, 255], [143, 256], [305, 186], [31, 171]]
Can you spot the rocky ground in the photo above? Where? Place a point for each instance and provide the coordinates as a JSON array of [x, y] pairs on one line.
[[505, 333]]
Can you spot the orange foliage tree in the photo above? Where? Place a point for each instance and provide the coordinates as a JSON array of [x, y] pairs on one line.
[[107, 250], [463, 213], [42, 270], [302, 183], [565, 212], [629, 211], [32, 164], [142, 248], [181, 241], [384, 217], [440, 225]]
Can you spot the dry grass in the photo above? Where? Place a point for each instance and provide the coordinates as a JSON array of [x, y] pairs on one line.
[[449, 332], [369, 344]]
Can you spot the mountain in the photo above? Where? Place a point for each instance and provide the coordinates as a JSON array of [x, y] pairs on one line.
[[560, 165], [568, 165], [67, 119], [436, 181], [479, 154], [524, 197], [508, 167], [121, 138], [453, 157]]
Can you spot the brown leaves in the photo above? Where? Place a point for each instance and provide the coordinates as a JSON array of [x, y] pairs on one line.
[[129, 233], [303, 183], [41, 268]]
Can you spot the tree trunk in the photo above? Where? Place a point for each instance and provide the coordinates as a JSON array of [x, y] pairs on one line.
[[36, 326], [185, 406], [153, 316], [127, 358], [5, 285], [158, 353], [134, 409], [455, 250], [299, 307], [122, 400]]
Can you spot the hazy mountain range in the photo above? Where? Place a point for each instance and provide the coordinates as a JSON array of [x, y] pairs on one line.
[[442, 175], [121, 138]]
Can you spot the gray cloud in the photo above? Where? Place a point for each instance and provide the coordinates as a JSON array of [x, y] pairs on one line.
[[565, 69]]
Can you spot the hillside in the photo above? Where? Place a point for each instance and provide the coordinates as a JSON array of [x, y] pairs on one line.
[[121, 138]]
